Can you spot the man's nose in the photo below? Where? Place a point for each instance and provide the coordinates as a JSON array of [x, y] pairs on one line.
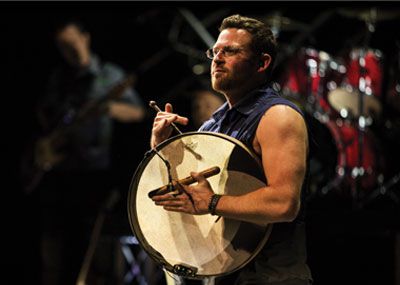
[[219, 55]]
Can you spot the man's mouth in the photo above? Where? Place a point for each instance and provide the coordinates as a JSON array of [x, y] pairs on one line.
[[219, 70]]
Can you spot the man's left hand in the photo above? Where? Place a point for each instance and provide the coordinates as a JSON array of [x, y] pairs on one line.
[[191, 199]]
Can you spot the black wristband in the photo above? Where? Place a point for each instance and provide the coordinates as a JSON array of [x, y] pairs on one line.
[[213, 203]]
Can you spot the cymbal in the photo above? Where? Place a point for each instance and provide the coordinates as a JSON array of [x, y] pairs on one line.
[[282, 23], [341, 98], [370, 15]]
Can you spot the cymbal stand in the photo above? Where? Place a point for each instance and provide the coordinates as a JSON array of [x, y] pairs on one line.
[[323, 69], [312, 66], [359, 171], [316, 70]]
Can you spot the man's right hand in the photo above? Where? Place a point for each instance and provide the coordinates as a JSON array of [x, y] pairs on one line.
[[162, 128]]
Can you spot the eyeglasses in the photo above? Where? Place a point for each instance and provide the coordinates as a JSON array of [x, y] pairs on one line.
[[226, 51]]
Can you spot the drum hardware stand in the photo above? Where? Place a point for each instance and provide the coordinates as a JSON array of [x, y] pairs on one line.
[[335, 183], [200, 30], [313, 106], [359, 171], [312, 72], [173, 33], [385, 189], [319, 113]]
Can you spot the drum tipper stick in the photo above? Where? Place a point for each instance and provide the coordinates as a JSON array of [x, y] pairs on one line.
[[184, 181], [170, 185], [153, 105]]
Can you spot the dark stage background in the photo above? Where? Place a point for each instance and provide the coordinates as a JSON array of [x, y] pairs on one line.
[[347, 243]]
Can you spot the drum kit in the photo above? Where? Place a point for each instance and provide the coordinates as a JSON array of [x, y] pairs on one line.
[[342, 98]]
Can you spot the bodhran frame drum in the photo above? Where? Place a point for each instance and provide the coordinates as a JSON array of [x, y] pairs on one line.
[[197, 246]]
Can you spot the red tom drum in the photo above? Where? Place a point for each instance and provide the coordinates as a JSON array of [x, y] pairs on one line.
[[334, 157], [364, 77], [310, 75]]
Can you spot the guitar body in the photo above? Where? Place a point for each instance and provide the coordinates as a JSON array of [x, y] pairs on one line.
[[40, 157], [48, 153], [189, 245]]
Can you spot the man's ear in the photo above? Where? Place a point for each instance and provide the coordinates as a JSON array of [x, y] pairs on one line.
[[264, 63]]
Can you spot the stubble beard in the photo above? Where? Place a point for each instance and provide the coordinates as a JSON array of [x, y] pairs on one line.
[[222, 85]]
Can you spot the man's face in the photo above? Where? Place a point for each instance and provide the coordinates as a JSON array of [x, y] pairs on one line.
[[74, 46], [237, 65]]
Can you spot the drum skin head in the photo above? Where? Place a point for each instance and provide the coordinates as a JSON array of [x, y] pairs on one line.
[[210, 246]]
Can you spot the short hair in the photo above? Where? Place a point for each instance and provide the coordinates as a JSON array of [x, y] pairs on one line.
[[263, 40]]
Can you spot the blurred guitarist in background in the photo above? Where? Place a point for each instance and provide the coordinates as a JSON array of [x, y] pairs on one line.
[[85, 97]]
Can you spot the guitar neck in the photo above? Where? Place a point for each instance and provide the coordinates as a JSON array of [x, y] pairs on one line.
[[97, 107], [92, 109]]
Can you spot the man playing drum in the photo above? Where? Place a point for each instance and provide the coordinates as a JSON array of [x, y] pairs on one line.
[[274, 128]]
